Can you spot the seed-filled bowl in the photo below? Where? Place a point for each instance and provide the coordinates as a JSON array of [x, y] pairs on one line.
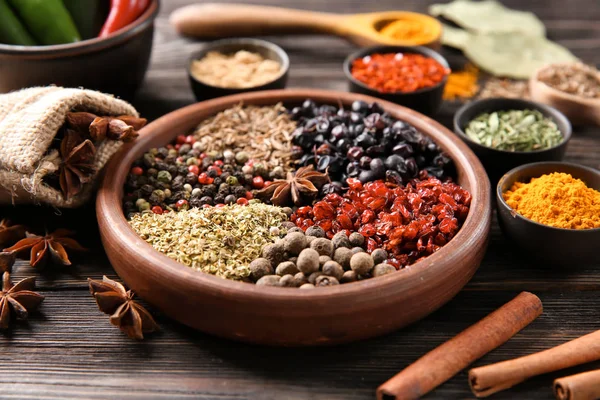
[[290, 316], [426, 99], [553, 246], [204, 89], [497, 161]]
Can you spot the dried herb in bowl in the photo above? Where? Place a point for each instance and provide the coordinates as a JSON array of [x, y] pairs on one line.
[[514, 130], [218, 240]]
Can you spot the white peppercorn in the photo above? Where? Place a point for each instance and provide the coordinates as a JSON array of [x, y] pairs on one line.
[[325, 280], [349, 276], [340, 240], [323, 260], [316, 231], [295, 242], [357, 250], [342, 256], [379, 256], [273, 253], [269, 280], [313, 277], [323, 246], [300, 279], [259, 268], [383, 269], [307, 286], [308, 261], [334, 269], [286, 268], [361, 263], [356, 239], [287, 281]]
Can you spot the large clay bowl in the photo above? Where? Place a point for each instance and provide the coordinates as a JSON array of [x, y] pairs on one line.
[[115, 64], [280, 316]]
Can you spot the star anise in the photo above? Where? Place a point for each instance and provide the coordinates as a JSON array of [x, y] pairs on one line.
[[125, 313], [52, 245], [77, 165], [296, 188], [123, 127], [19, 299], [10, 233]]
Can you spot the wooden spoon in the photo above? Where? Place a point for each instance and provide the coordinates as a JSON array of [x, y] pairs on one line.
[[579, 110], [213, 20]]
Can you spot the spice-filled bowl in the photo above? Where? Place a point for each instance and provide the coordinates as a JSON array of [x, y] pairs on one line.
[[506, 133], [278, 315], [115, 63], [562, 226], [231, 66], [412, 77]]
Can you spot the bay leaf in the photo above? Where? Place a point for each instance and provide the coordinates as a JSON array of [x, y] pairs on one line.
[[513, 55], [489, 16]]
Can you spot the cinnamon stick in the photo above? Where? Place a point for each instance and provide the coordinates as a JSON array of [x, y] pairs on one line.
[[584, 386], [493, 378], [445, 361]]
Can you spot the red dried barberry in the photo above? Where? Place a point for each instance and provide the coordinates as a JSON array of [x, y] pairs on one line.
[[410, 222]]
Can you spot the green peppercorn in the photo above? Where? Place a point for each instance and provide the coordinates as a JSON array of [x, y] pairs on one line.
[[191, 161], [164, 177], [232, 180]]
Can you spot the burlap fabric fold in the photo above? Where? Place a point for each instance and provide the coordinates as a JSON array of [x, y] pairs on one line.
[[29, 121]]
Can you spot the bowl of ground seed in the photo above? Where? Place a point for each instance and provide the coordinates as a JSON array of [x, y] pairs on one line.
[[506, 133], [228, 217], [230, 66]]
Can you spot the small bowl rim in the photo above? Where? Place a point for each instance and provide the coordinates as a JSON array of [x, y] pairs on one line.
[[96, 43], [215, 45], [520, 168], [422, 50], [555, 113]]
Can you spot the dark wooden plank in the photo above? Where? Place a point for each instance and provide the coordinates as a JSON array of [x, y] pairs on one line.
[[69, 349]]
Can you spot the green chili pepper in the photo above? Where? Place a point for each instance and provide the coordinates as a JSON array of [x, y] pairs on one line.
[[12, 30], [88, 15], [48, 20]]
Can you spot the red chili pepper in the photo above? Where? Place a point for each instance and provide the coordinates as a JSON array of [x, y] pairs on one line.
[[397, 72], [122, 13]]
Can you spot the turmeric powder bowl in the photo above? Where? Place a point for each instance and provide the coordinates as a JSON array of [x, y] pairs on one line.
[[540, 242]]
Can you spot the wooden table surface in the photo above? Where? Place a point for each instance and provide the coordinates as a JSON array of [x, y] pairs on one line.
[[69, 350]]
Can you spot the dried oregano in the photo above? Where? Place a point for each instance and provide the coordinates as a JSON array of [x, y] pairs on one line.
[[218, 240]]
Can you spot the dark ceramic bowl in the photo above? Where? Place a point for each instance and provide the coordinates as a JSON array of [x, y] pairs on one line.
[[115, 64], [497, 162], [426, 101], [204, 91], [553, 246]]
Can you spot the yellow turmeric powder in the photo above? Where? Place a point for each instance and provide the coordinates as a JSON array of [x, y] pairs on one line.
[[462, 84], [412, 29], [557, 200]]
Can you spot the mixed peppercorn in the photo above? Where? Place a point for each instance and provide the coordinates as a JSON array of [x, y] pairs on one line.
[[364, 186], [180, 175]]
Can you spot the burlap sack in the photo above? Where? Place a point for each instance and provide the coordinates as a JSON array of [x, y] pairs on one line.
[[29, 121]]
